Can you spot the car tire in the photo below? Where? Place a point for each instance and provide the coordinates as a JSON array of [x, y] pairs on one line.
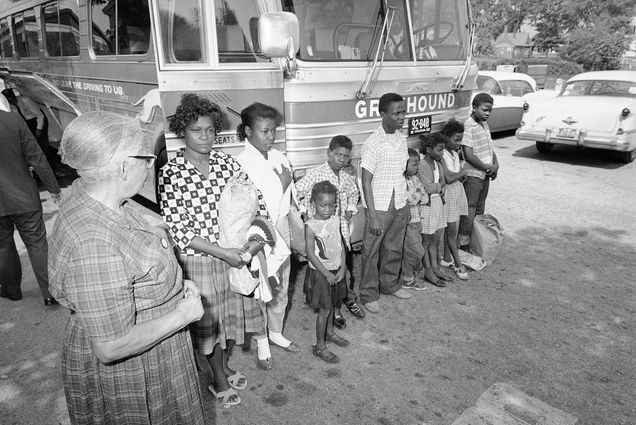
[[626, 157], [545, 147]]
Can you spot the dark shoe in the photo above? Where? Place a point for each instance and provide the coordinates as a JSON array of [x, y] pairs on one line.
[[325, 354], [264, 364], [338, 340], [11, 297], [354, 308], [437, 282], [50, 301], [339, 321]]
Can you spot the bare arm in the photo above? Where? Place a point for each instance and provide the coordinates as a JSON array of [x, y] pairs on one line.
[[372, 215], [473, 160], [232, 256], [146, 335]]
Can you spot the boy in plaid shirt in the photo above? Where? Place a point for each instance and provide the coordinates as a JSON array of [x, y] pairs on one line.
[[413, 249]]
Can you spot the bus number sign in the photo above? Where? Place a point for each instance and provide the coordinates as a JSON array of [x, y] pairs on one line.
[[419, 124]]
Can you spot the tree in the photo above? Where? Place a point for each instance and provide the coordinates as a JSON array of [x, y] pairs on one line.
[[598, 46]]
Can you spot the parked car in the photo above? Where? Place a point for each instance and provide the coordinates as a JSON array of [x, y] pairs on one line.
[[508, 90], [594, 109]]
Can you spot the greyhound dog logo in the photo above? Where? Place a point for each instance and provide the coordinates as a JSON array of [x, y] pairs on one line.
[[151, 102]]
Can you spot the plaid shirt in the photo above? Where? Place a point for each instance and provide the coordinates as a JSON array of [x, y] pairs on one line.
[[385, 156], [347, 199], [415, 194], [188, 199], [478, 138]]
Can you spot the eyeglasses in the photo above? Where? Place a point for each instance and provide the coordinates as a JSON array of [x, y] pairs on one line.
[[149, 158], [343, 156]]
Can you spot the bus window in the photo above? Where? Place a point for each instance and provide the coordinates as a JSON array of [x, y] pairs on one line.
[[6, 42], [181, 31], [61, 26], [440, 29], [26, 34], [120, 27], [349, 29], [237, 31]]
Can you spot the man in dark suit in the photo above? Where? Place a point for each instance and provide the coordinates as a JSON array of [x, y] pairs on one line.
[[20, 206]]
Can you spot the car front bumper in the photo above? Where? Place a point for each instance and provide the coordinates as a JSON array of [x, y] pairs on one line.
[[586, 138]]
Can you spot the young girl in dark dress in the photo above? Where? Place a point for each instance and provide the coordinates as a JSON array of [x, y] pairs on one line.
[[324, 279]]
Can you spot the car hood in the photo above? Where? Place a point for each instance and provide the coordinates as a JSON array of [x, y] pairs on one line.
[[598, 112]]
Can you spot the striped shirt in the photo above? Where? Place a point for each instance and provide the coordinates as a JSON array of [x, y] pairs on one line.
[[348, 194], [385, 156], [478, 138]]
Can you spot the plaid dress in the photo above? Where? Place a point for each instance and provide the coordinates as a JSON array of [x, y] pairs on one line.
[[114, 271], [432, 213], [189, 207]]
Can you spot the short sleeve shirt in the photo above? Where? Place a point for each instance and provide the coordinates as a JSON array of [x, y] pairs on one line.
[[478, 138], [385, 156]]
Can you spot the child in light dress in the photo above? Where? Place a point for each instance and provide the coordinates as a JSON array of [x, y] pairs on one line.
[[456, 204], [431, 174]]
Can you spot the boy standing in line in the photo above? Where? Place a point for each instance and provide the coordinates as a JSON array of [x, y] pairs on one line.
[[481, 164], [332, 170], [384, 155]]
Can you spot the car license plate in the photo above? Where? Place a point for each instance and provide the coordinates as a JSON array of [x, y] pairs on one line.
[[568, 133], [420, 124]]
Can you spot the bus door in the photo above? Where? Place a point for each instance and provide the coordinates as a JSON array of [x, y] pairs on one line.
[[57, 107], [213, 49]]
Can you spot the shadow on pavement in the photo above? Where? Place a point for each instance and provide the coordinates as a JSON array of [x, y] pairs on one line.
[[572, 155]]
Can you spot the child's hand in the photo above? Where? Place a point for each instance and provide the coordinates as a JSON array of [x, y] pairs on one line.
[[348, 215], [332, 279], [342, 272]]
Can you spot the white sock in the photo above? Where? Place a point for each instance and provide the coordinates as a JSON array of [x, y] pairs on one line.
[[262, 345], [278, 339]]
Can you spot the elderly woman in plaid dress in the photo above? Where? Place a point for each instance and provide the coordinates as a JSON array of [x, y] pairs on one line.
[[127, 356], [190, 187]]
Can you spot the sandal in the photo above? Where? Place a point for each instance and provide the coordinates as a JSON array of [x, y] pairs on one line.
[[325, 354], [238, 381], [460, 272], [338, 340], [227, 398]]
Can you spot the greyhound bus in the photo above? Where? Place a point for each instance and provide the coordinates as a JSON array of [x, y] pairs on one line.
[[322, 63]]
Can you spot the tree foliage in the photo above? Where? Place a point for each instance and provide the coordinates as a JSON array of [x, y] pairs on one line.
[[591, 32]]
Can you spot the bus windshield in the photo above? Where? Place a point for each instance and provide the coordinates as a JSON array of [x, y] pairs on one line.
[[350, 30]]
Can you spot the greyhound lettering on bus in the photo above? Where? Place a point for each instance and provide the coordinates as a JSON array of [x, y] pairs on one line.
[[415, 104]]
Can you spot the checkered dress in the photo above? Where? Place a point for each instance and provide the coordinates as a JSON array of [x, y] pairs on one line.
[[348, 194], [189, 207], [113, 272], [456, 203], [432, 213]]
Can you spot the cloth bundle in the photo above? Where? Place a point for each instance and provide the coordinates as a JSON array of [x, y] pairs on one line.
[[238, 223]]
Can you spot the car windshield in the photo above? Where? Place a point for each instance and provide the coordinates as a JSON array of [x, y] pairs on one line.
[[350, 30], [600, 88], [515, 87]]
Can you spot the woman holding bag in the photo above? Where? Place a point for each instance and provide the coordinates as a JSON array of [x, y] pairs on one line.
[[190, 187]]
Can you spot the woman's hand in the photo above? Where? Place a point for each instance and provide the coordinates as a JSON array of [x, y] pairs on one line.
[[284, 176], [190, 307], [232, 256], [332, 279]]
